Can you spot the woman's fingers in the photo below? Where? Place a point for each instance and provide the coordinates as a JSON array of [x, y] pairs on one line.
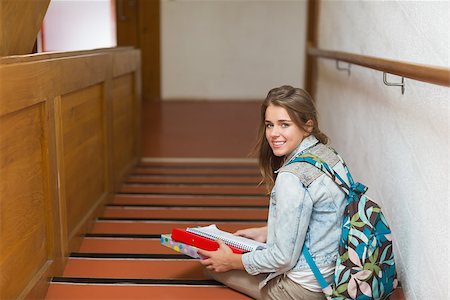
[[206, 262], [204, 253], [242, 232], [221, 244]]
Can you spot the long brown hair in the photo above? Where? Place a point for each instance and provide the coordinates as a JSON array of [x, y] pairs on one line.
[[300, 107]]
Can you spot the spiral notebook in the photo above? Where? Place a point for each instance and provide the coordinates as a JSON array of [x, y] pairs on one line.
[[213, 233], [193, 239]]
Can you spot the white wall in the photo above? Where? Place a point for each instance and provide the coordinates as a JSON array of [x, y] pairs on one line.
[[224, 49], [79, 25], [397, 144]]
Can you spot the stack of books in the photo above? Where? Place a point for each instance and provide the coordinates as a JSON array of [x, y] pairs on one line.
[[189, 240]]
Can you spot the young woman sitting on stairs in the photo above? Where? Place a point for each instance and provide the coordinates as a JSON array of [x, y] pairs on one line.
[[298, 215]]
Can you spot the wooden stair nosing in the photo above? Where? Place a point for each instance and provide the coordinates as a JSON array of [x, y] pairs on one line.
[[146, 281], [148, 256]]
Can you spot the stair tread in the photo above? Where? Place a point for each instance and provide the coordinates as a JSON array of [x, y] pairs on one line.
[[134, 268], [149, 227], [123, 245], [194, 213], [59, 291], [185, 179], [189, 200], [196, 171], [189, 189]]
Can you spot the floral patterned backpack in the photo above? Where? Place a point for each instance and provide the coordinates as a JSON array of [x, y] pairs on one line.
[[365, 267]]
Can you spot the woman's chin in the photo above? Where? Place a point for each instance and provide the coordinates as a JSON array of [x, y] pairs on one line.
[[278, 152]]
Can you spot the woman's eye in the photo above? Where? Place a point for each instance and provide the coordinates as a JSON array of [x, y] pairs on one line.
[[285, 125], [269, 126]]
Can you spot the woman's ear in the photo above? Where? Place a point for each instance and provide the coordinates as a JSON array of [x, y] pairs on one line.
[[309, 126]]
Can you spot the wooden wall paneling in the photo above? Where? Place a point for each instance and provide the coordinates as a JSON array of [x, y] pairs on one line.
[[23, 85], [96, 70], [55, 155], [48, 79], [108, 122], [83, 150], [27, 237], [24, 89], [37, 287], [125, 62], [82, 71], [59, 155], [85, 139], [126, 113]]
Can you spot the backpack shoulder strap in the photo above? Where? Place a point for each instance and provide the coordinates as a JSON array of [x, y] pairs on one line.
[[308, 172]]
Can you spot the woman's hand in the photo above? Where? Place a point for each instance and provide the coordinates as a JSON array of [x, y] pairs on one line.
[[258, 234], [221, 260]]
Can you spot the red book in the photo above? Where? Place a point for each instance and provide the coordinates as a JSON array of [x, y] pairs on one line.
[[189, 238]]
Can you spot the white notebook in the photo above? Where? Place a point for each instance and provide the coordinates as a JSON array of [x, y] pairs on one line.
[[214, 233]]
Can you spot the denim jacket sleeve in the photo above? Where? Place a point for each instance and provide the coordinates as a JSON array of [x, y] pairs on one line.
[[289, 215]]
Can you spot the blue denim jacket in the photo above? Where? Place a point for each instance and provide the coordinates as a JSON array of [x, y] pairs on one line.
[[298, 215]]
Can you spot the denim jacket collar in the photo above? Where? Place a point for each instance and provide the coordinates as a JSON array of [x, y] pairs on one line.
[[305, 144]]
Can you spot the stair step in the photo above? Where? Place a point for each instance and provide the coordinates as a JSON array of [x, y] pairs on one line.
[[198, 164], [134, 268], [155, 227], [150, 227], [164, 291], [200, 189], [202, 200], [123, 245], [184, 179], [195, 171], [191, 213]]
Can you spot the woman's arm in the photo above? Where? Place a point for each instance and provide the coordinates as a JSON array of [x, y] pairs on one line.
[[258, 233], [288, 223]]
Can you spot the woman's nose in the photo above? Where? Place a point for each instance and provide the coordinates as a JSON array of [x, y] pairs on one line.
[[274, 132]]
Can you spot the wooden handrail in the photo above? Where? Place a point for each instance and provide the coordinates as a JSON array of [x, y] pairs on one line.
[[430, 74]]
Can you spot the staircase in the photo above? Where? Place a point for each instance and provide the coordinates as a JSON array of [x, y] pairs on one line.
[[121, 257]]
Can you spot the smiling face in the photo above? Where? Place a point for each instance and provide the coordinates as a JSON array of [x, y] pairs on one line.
[[282, 134]]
